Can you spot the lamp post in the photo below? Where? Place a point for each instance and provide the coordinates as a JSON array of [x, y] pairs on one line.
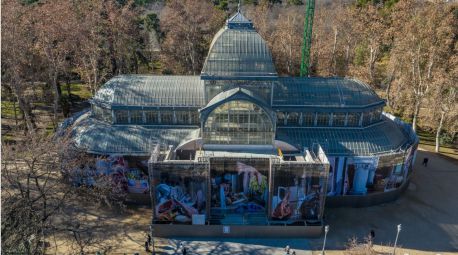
[[396, 241], [326, 230]]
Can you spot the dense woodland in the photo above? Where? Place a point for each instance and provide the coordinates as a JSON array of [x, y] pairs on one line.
[[406, 50]]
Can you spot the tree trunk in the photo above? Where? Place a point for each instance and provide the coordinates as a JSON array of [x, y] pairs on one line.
[[415, 115], [438, 132], [57, 97], [25, 108], [347, 59], [373, 57], [69, 91], [333, 60], [388, 89], [14, 110]]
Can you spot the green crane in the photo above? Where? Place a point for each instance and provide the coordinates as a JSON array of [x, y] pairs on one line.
[[307, 43]]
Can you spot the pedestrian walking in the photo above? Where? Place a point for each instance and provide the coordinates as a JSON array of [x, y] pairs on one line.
[[146, 246], [149, 239], [287, 249], [372, 234], [184, 251], [425, 162]]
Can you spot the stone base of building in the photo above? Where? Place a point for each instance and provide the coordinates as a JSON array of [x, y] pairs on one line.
[[368, 199], [240, 231]]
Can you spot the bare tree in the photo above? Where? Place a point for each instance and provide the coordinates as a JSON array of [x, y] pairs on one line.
[[17, 56], [37, 200], [418, 53], [287, 40], [188, 27]]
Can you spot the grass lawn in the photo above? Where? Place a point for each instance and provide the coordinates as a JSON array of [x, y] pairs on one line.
[[428, 142], [8, 110], [78, 89]]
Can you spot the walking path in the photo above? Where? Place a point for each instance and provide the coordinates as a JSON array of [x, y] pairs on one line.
[[232, 246]]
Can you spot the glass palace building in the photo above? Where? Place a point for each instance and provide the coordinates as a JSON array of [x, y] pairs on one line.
[[239, 149]]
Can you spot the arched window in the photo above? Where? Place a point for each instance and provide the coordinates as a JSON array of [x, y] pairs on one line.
[[238, 122]]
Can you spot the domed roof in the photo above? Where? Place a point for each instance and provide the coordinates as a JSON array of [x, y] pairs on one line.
[[238, 51]]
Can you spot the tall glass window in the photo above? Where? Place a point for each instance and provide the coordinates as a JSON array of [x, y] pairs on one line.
[[238, 122], [194, 115], [136, 117], [377, 114], [353, 119], [338, 119], [368, 118], [308, 119], [122, 116], [322, 119], [152, 117], [182, 117], [166, 117], [281, 118], [293, 119]]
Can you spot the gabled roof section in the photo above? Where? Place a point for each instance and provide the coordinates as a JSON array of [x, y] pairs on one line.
[[324, 92], [151, 91], [238, 52], [233, 94]]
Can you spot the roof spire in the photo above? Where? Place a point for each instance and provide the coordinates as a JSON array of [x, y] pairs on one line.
[[238, 6]]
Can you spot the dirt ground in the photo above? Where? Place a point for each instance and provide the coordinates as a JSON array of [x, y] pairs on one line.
[[428, 212]]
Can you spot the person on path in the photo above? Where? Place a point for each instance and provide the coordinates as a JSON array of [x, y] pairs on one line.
[[425, 162], [146, 246]]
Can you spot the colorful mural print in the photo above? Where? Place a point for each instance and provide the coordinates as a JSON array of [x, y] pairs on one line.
[[180, 192], [239, 186], [359, 175], [297, 192]]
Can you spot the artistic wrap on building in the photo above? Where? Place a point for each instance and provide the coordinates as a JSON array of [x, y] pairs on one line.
[[241, 145]]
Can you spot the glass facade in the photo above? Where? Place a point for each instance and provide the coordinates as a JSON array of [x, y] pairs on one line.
[[122, 117], [262, 89], [182, 117], [353, 119], [281, 119], [136, 117], [152, 117], [338, 119], [101, 113], [322, 119], [293, 119], [238, 122], [308, 119]]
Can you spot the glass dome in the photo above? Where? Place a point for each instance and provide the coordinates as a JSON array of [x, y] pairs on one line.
[[238, 51]]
